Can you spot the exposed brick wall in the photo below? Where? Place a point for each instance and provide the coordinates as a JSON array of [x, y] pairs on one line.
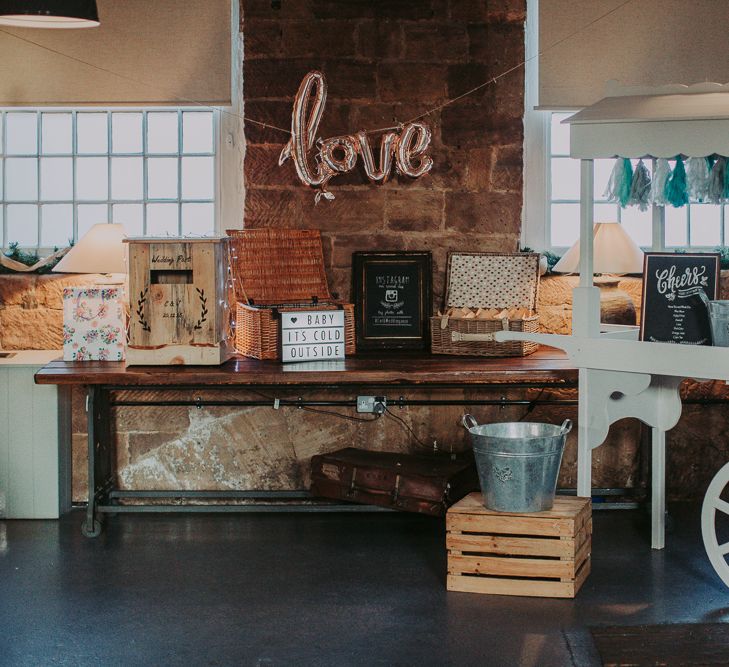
[[387, 61]]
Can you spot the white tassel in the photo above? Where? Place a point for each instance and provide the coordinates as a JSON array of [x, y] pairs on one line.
[[612, 191], [660, 176], [716, 181], [697, 175], [640, 187]]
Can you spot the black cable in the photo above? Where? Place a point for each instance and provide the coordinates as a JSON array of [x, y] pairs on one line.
[[406, 426], [532, 405], [374, 418], [319, 410]]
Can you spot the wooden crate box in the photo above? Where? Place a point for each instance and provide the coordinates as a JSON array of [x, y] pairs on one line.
[[544, 554], [180, 301]]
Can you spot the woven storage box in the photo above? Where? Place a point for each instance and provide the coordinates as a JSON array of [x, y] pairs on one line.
[[487, 280], [541, 554], [275, 271]]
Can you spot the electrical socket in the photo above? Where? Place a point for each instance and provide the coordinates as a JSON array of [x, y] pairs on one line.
[[371, 404]]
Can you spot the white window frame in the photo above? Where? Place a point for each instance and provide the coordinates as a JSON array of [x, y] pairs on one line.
[[145, 155]]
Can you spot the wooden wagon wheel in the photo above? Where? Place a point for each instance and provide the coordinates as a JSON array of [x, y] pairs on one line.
[[713, 503]]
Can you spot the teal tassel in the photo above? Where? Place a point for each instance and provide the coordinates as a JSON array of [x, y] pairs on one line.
[[621, 179], [640, 188], [626, 183], [710, 159], [725, 193], [676, 194]]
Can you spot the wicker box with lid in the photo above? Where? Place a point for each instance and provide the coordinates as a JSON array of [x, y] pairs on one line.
[[480, 280], [275, 271]]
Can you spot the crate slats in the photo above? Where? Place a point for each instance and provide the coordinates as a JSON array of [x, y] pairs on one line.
[[544, 554]]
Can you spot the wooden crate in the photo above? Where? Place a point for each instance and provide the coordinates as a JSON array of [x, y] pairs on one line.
[[544, 554], [180, 299]]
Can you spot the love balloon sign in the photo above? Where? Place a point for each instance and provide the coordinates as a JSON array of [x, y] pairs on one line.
[[405, 149]]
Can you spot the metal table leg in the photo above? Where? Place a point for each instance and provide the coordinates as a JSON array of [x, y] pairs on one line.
[[100, 459]]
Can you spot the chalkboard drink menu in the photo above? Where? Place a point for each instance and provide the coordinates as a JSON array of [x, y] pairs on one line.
[[392, 299], [672, 308]]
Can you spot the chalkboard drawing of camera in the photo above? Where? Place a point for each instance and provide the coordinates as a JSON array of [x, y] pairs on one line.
[[391, 295]]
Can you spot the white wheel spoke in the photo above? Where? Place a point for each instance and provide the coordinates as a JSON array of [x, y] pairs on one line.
[[724, 548], [721, 505]]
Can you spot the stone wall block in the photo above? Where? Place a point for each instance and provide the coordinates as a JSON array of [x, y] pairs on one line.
[[15, 288], [492, 10], [349, 79], [277, 78], [483, 213], [262, 38], [414, 210], [271, 112], [261, 167], [435, 42], [411, 81], [379, 40], [306, 39], [37, 329]]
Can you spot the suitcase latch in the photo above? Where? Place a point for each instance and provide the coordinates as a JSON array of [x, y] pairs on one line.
[[396, 490], [352, 489]]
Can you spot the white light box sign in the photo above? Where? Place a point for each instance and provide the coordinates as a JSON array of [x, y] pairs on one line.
[[316, 335]]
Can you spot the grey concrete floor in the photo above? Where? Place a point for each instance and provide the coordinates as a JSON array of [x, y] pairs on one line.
[[319, 589]]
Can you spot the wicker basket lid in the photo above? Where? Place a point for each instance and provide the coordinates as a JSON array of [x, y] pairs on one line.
[[273, 266], [491, 280]]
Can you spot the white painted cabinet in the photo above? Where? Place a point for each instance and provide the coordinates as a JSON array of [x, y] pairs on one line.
[[32, 481]]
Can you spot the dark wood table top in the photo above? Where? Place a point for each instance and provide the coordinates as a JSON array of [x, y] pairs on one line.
[[546, 365]]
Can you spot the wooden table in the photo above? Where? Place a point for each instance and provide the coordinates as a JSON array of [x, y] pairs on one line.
[[390, 374]]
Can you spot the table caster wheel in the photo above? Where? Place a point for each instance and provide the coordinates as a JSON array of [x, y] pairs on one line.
[[93, 531], [713, 505]]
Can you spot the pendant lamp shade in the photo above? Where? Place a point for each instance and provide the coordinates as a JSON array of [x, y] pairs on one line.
[[49, 13]]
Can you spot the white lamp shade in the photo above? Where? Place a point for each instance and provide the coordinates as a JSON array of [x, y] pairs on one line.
[[100, 250], [613, 252]]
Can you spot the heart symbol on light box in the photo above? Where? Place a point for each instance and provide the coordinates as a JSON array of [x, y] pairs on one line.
[[293, 319]]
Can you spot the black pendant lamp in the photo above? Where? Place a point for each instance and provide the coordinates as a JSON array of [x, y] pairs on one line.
[[49, 13]]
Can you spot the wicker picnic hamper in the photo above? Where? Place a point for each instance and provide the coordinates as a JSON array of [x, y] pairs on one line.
[[487, 280], [275, 271]]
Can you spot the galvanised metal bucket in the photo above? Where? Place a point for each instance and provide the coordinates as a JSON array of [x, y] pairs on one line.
[[518, 463]]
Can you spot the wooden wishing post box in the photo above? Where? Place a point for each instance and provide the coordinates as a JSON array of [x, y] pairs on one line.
[[180, 292]]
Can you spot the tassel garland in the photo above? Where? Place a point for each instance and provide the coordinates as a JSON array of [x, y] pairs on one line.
[[698, 179]]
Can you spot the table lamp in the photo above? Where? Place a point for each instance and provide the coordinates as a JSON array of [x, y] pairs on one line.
[[100, 250], [614, 252]]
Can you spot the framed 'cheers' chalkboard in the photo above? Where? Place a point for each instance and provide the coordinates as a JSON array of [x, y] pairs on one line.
[[672, 309], [392, 296]]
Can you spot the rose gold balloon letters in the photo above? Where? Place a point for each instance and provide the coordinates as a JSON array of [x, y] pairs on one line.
[[338, 155]]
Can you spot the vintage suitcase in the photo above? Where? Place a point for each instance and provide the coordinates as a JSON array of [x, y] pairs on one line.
[[406, 482]]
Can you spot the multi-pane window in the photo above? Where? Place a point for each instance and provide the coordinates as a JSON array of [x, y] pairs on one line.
[[691, 226], [62, 171]]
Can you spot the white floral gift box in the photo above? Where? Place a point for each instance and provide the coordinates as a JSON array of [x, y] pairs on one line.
[[94, 326]]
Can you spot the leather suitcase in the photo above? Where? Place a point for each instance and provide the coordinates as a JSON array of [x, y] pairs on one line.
[[406, 482]]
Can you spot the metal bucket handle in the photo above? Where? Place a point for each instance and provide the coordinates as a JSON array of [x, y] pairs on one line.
[[566, 427], [469, 422]]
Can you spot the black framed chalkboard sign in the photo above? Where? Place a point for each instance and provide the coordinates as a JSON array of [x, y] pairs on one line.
[[672, 309], [392, 297]]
